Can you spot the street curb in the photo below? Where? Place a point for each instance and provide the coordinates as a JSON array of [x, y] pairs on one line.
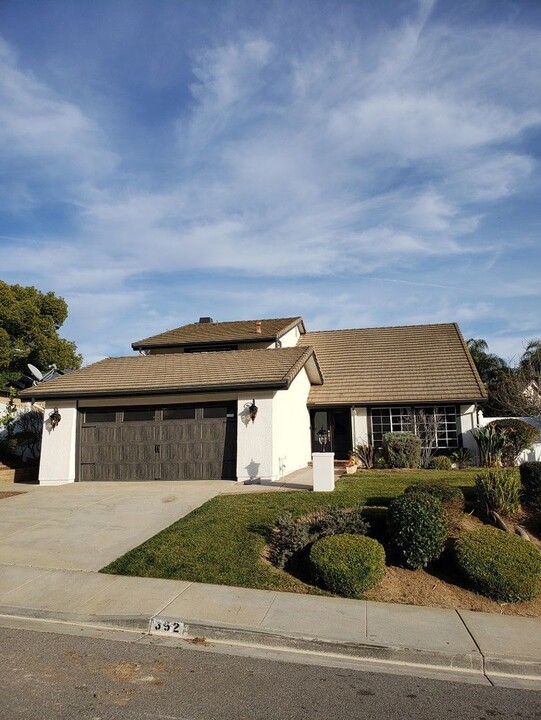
[[468, 662], [474, 663]]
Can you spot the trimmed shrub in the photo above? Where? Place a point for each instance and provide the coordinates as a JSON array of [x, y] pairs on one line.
[[380, 463], [417, 527], [518, 436], [499, 565], [347, 565], [338, 521], [402, 450], [530, 477], [451, 498], [440, 462], [499, 491], [292, 535]]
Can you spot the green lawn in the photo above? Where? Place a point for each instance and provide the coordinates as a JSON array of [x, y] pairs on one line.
[[221, 542]]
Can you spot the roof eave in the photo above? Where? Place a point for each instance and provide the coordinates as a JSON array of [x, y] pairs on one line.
[[205, 343], [270, 385]]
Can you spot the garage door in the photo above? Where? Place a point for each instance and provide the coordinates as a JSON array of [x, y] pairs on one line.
[[180, 442]]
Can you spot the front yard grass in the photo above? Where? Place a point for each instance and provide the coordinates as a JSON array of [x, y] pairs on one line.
[[223, 541]]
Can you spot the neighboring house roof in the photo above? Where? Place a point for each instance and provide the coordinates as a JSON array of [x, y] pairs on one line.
[[410, 364], [204, 333], [183, 372]]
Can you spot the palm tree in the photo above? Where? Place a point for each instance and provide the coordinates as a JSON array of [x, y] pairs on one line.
[[489, 366], [531, 359]]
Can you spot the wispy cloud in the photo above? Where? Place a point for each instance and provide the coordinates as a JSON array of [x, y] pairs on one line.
[[380, 151]]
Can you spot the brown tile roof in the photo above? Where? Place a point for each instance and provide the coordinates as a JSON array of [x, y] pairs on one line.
[[416, 363], [181, 372], [222, 332]]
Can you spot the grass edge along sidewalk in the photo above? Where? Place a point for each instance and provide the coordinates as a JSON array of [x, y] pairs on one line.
[[222, 541]]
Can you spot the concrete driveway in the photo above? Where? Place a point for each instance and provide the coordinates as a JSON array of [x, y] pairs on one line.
[[84, 526]]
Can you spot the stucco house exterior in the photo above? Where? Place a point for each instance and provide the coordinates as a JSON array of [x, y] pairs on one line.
[[245, 400]]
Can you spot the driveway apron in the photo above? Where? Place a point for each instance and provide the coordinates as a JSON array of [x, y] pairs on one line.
[[86, 526]]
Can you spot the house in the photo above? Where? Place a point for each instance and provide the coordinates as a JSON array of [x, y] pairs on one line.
[[249, 400]]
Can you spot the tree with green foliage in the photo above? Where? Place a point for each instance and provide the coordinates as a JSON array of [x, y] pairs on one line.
[[29, 325], [489, 366]]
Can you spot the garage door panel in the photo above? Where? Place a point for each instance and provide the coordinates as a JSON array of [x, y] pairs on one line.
[[181, 431], [194, 444], [137, 453], [181, 451], [137, 433]]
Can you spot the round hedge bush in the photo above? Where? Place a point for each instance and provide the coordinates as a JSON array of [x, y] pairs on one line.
[[499, 565], [440, 462], [451, 498], [347, 564], [417, 527]]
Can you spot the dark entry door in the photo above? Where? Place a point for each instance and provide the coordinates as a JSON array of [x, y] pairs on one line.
[[338, 424]]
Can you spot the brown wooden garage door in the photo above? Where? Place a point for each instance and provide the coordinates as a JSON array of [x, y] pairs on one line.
[[181, 442]]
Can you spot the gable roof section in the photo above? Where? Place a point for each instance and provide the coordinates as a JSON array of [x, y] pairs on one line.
[[393, 365], [239, 331], [183, 372]]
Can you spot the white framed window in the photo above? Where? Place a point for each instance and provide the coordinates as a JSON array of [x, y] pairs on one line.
[[440, 419]]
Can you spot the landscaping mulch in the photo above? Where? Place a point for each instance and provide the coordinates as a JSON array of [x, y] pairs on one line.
[[6, 494]]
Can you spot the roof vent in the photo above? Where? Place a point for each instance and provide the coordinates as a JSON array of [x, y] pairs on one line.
[[203, 320], [258, 327]]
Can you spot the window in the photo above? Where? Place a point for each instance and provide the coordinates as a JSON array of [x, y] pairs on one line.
[[441, 420], [138, 414], [181, 412], [215, 412], [99, 416]]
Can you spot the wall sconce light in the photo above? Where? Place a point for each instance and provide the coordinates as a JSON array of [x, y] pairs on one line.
[[55, 417], [252, 410]]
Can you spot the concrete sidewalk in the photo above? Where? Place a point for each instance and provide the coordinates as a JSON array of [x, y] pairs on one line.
[[502, 650]]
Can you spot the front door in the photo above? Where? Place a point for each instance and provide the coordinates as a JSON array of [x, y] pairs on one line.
[[338, 424]]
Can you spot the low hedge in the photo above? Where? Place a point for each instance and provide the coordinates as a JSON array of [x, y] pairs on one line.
[[347, 565], [499, 565], [530, 478], [440, 462], [417, 527]]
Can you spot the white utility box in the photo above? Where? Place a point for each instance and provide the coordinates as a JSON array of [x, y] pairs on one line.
[[323, 471]]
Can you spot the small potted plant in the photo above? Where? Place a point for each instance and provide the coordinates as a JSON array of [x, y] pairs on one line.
[[352, 464]]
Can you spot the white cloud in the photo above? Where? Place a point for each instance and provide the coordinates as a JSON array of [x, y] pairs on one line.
[[337, 159]]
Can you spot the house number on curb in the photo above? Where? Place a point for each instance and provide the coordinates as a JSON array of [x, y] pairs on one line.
[[167, 626]]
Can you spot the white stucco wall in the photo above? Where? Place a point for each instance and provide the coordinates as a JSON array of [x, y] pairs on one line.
[[291, 338], [468, 423], [291, 427], [254, 439], [360, 426], [57, 461]]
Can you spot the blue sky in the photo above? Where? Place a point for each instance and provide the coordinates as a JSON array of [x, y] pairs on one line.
[[357, 163]]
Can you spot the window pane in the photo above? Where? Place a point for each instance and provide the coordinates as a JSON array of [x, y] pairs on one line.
[[138, 414], [181, 412], [215, 412], [97, 416]]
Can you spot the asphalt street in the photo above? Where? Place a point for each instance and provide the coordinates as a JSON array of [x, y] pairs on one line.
[[61, 677]]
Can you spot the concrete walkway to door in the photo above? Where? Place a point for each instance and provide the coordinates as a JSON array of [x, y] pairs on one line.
[[85, 526]]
